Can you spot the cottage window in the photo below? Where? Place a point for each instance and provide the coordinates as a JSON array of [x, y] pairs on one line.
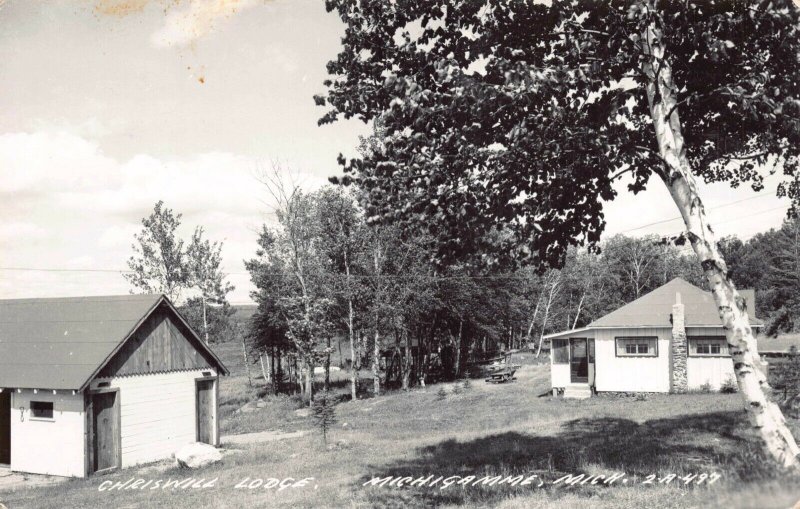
[[42, 409], [700, 346], [637, 347], [560, 351]]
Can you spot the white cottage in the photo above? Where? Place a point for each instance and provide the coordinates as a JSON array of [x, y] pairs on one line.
[[669, 340], [93, 384]]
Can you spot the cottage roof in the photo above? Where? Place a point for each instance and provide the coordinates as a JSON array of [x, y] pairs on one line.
[[62, 343], [654, 309]]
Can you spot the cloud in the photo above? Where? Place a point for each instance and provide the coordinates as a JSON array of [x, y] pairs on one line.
[[12, 232], [197, 18], [65, 204]]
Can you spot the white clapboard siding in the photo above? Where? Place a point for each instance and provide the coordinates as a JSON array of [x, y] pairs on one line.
[[711, 370], [158, 414], [559, 375], [631, 374], [53, 447]]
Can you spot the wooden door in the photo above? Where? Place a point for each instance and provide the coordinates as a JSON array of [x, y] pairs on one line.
[[206, 414], [106, 431], [579, 360], [5, 428]]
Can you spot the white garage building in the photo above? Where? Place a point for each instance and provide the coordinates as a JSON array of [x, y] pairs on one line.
[[93, 384]]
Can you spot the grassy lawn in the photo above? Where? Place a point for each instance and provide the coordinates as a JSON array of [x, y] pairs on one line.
[[476, 431]]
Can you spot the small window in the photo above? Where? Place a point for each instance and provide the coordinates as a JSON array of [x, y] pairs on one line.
[[714, 346], [637, 347], [560, 351], [42, 409]]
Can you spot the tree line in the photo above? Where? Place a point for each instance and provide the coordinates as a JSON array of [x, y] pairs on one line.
[[324, 274]]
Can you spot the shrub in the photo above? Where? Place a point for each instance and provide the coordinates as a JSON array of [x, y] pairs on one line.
[[467, 384], [785, 380], [441, 394], [456, 389], [729, 386], [705, 388]]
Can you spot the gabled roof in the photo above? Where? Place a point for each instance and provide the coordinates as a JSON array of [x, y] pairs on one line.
[[654, 309], [62, 343]]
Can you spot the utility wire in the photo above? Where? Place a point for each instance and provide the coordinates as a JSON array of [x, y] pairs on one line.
[[711, 208], [398, 276]]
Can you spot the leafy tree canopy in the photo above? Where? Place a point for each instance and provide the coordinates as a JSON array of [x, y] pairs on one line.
[[519, 117]]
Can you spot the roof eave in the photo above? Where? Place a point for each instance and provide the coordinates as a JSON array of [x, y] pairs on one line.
[[606, 327]]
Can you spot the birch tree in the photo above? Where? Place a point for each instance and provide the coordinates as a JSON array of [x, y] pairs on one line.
[[159, 261], [524, 116], [293, 249], [343, 236], [204, 273]]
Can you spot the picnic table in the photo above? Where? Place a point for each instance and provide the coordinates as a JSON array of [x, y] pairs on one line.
[[502, 374]]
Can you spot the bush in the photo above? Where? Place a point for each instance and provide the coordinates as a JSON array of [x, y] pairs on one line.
[[456, 389], [729, 386], [785, 380], [467, 384], [705, 388], [441, 394]]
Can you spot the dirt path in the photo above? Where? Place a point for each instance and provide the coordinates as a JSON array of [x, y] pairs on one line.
[[12, 480]]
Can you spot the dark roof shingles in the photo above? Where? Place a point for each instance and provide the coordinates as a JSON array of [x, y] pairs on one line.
[[654, 309], [59, 343]]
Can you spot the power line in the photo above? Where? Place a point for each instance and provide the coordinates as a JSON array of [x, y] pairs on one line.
[[399, 276], [712, 208]]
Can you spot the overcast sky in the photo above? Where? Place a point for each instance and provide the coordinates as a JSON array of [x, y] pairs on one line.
[[108, 106]]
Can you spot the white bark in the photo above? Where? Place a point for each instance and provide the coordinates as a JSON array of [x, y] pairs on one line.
[[264, 371], [205, 319], [764, 414], [246, 363], [533, 318], [551, 294], [376, 363]]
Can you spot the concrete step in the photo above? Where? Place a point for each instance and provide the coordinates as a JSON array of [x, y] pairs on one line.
[[577, 392]]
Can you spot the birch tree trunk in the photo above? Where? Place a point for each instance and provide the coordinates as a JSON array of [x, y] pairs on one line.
[[246, 362], [354, 364], [550, 296], [376, 364], [406, 365], [327, 364], [578, 311], [205, 319], [354, 356], [264, 371], [533, 320], [457, 353], [765, 416], [309, 381]]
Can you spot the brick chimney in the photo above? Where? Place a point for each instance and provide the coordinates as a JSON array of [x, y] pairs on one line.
[[678, 348]]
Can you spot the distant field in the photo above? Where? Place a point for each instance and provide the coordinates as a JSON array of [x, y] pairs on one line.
[[480, 430]]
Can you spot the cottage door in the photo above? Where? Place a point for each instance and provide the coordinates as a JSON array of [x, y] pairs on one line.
[[206, 426], [5, 428], [579, 360], [105, 425]]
